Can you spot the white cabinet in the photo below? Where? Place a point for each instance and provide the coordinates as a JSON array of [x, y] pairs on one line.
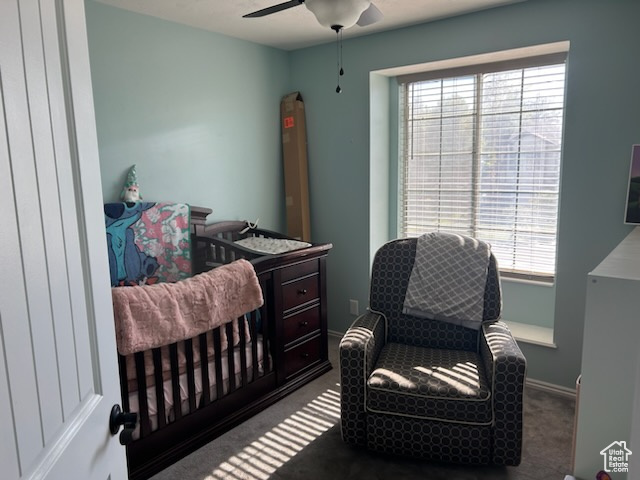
[[608, 403]]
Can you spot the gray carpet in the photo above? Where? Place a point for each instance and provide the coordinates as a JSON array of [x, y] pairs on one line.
[[299, 438]]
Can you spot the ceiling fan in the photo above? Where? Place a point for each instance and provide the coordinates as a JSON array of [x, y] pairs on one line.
[[336, 14]]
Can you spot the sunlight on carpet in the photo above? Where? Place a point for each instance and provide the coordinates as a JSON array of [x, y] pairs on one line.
[[276, 447]]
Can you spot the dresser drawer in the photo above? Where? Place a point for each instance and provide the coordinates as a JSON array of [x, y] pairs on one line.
[[300, 292], [301, 324], [302, 356], [299, 270]]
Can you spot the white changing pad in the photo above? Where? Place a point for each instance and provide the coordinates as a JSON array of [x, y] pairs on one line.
[[271, 245]]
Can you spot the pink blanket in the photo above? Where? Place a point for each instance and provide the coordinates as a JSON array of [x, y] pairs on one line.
[[150, 316]]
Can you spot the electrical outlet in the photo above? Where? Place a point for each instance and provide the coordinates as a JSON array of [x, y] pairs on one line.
[[354, 309]]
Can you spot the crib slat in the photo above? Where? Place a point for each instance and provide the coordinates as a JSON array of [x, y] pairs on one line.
[[143, 404], [175, 380], [264, 330], [266, 285], [243, 350], [204, 369], [230, 357], [157, 370], [217, 345], [191, 384], [254, 344], [124, 382]]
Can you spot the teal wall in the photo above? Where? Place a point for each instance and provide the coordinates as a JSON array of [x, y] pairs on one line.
[[197, 112], [602, 121], [533, 304]]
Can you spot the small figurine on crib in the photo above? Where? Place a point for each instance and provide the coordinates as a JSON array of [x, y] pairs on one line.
[[131, 190]]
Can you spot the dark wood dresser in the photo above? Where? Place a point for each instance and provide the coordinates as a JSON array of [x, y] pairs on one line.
[[300, 314]]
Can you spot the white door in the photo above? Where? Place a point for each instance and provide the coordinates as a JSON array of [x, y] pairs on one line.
[[58, 369]]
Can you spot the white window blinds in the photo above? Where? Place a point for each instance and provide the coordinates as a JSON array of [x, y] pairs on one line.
[[481, 157]]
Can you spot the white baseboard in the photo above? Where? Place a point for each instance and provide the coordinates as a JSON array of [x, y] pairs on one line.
[[551, 388], [335, 333]]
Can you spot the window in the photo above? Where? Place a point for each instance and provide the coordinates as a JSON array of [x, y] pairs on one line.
[[481, 150]]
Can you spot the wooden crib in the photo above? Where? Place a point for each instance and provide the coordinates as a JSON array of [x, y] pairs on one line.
[[197, 389]]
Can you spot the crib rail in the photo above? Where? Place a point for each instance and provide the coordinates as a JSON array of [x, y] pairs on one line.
[[171, 396], [214, 245]]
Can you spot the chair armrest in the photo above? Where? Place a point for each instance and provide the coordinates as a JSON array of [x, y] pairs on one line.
[[506, 367], [363, 341], [359, 350]]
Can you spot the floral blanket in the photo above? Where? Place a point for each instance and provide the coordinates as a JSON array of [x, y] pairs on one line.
[[148, 242]]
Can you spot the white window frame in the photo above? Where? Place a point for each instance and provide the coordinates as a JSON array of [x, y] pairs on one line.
[[555, 58]]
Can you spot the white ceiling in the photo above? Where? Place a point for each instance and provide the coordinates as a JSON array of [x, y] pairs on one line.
[[296, 27]]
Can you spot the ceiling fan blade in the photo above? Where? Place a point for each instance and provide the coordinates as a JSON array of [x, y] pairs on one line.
[[274, 9], [369, 16]]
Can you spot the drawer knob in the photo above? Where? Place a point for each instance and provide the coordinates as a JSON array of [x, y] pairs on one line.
[[304, 324], [302, 291], [305, 355]]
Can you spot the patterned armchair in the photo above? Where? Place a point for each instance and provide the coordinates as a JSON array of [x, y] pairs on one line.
[[426, 388]]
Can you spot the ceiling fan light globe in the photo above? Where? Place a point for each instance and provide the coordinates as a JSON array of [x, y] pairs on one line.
[[344, 13]]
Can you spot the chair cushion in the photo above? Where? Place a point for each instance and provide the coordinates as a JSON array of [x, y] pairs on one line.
[[429, 383]]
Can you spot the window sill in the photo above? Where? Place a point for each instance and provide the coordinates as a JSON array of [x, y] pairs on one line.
[[532, 334], [526, 281]]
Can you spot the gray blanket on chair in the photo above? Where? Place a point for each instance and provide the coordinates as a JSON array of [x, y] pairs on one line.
[[448, 279]]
